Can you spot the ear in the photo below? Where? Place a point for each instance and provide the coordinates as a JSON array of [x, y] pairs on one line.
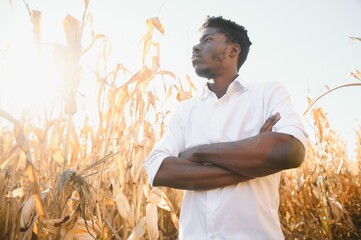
[[235, 50]]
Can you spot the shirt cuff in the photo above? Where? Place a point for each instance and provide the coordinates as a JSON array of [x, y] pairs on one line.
[[152, 165], [301, 135]]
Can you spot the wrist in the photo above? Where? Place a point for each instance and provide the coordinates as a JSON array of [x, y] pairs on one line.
[[203, 154]]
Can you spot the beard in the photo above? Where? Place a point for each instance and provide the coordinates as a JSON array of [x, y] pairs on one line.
[[205, 73], [209, 72]]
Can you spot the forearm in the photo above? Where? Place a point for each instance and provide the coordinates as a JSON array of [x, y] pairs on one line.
[[257, 156], [183, 174]]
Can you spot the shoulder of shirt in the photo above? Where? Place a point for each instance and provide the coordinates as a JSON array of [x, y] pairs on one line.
[[185, 104], [189, 102], [263, 86]]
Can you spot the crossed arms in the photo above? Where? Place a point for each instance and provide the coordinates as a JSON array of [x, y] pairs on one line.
[[222, 164]]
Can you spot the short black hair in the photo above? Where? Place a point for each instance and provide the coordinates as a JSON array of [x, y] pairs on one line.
[[234, 32]]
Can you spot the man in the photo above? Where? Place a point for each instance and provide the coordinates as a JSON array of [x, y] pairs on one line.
[[215, 151]]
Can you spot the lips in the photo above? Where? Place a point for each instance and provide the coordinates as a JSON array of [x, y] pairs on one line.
[[196, 58]]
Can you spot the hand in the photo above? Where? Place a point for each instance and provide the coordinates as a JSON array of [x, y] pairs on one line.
[[270, 122], [187, 154]]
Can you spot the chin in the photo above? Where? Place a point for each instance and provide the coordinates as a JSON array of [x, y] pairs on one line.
[[204, 73]]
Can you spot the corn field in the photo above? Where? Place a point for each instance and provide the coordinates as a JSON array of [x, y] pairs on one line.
[[63, 180]]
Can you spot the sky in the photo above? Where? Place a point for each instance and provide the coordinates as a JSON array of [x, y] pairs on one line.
[[304, 44]]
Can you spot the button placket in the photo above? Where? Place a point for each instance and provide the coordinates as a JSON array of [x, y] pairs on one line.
[[211, 214], [213, 121], [217, 113]]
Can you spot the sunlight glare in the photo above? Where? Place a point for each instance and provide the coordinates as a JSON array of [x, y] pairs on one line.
[[29, 77]]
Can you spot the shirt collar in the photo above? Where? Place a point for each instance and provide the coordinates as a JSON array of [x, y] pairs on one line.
[[235, 86]]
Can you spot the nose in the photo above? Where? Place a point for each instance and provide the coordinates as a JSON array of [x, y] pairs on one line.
[[196, 48]]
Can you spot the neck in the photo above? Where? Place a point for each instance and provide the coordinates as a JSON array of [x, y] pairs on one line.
[[220, 84]]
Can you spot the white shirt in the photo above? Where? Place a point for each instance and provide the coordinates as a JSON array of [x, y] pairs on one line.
[[248, 210]]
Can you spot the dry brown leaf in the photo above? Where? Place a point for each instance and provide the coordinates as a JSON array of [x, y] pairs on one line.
[[106, 49], [58, 157], [94, 40], [137, 166], [175, 220], [139, 230], [152, 221], [90, 20], [309, 100], [147, 38], [36, 19], [157, 197], [158, 25], [18, 192], [151, 99], [190, 82], [53, 225], [20, 138], [72, 33], [122, 204], [8, 158], [81, 231], [169, 93], [155, 63], [148, 132], [146, 75], [67, 230], [131, 219], [356, 74], [45, 193], [32, 177], [28, 214], [86, 3], [165, 72]]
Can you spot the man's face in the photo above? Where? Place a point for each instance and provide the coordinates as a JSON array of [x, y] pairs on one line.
[[211, 55]]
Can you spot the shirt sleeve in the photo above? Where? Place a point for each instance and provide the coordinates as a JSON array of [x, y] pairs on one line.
[[277, 99], [171, 144]]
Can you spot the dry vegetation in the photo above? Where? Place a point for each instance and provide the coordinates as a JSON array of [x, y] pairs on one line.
[[321, 199], [62, 181]]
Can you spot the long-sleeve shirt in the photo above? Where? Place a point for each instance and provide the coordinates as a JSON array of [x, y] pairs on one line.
[[247, 210]]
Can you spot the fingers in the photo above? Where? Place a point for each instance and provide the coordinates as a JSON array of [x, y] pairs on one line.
[[270, 122], [188, 154]]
